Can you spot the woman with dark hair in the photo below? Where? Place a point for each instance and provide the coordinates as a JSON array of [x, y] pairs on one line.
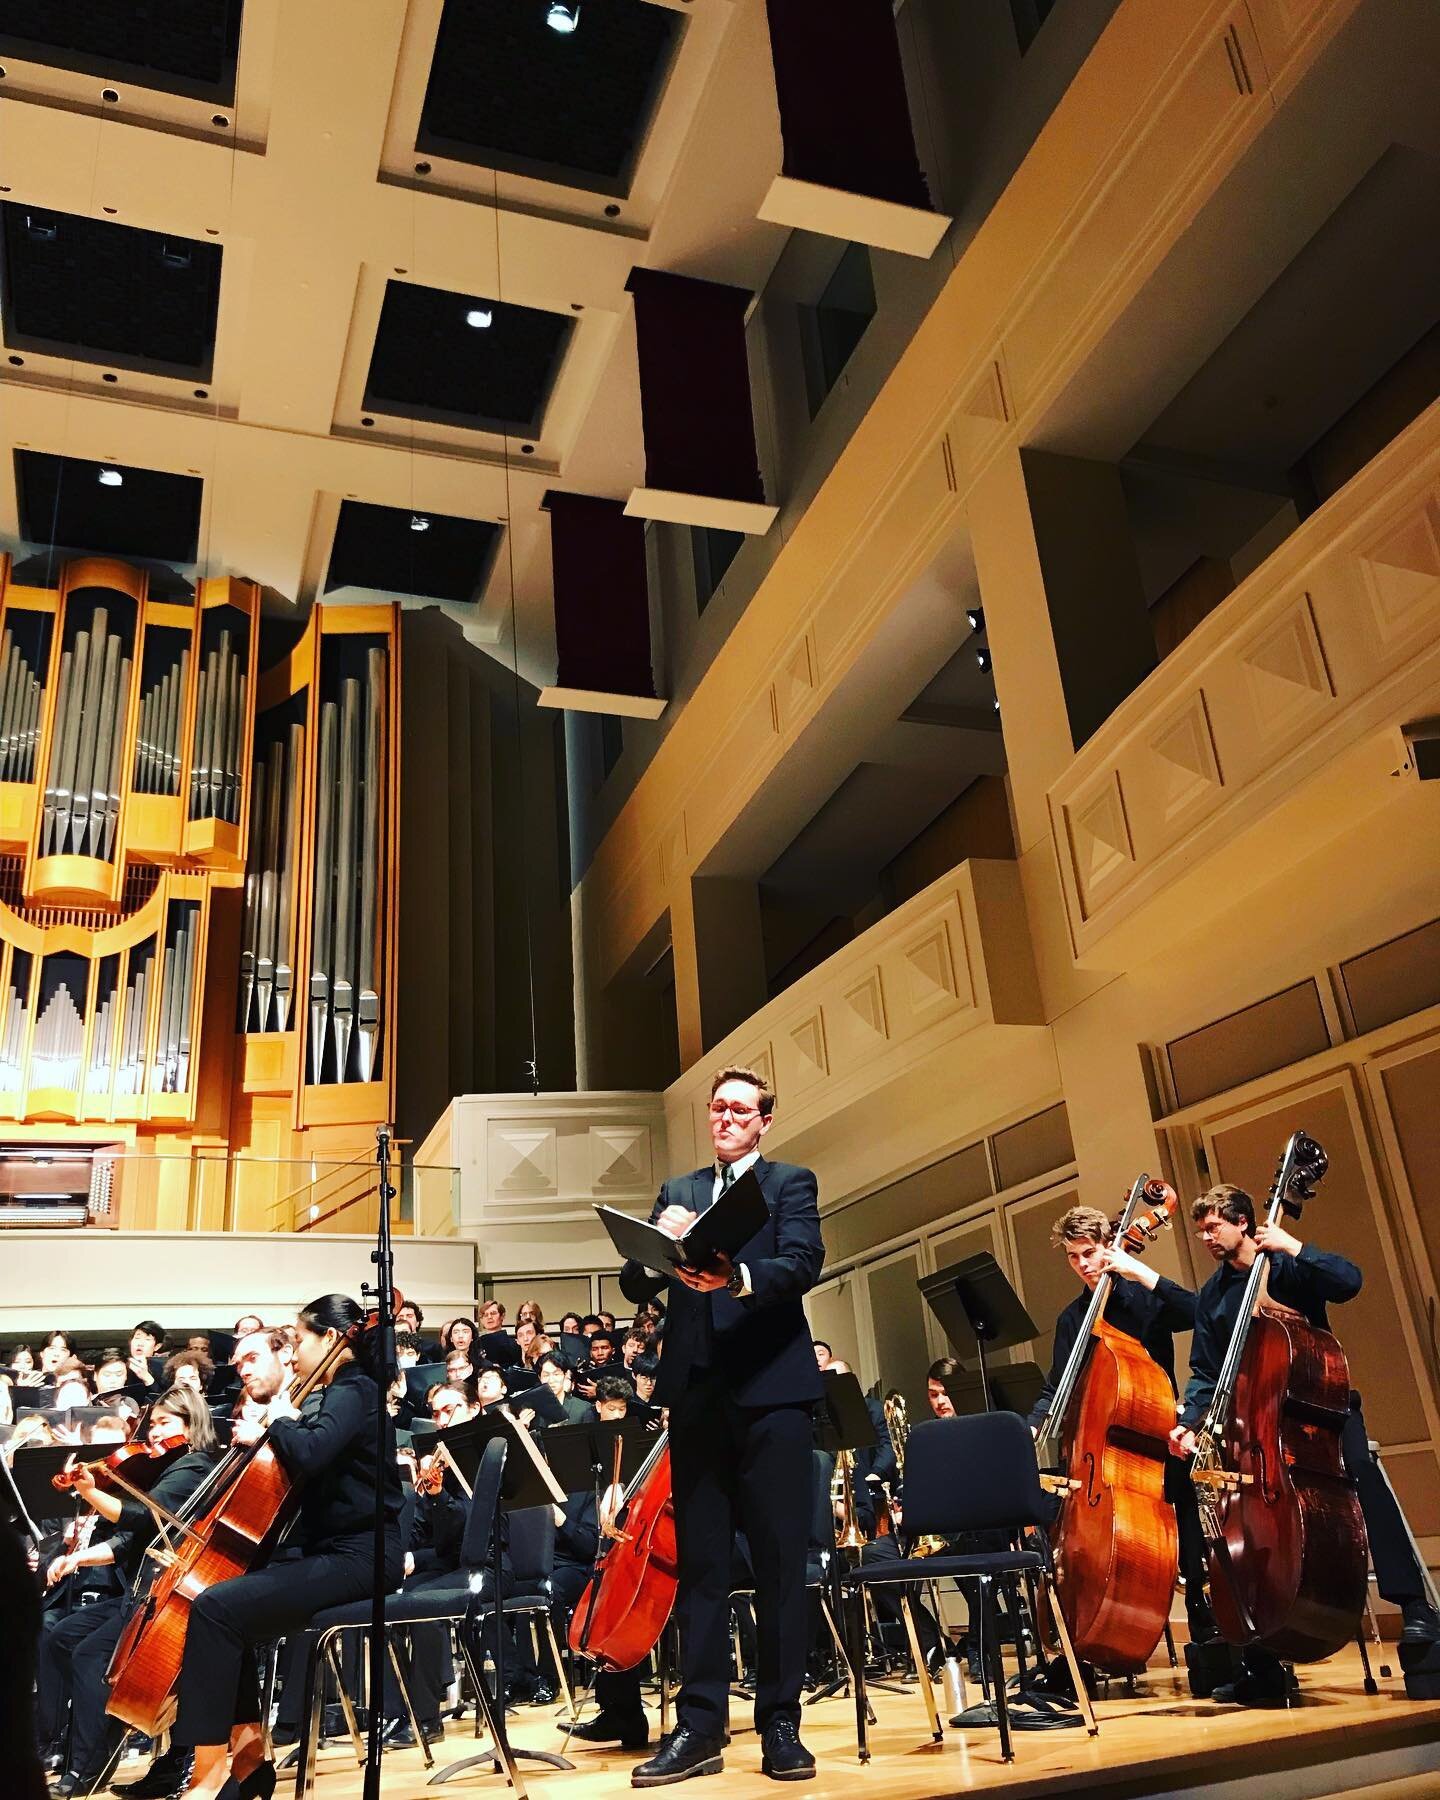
[[459, 1334], [570, 1324], [75, 1651], [329, 1454]]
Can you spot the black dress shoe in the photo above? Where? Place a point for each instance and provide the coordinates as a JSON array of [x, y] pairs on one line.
[[259, 1784], [398, 1735], [630, 1731], [682, 1753], [784, 1757], [167, 1776], [1421, 1622], [545, 1694]]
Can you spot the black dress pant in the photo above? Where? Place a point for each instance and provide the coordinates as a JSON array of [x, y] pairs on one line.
[[75, 1652], [1398, 1574], [751, 1469], [218, 1683], [1194, 1566]]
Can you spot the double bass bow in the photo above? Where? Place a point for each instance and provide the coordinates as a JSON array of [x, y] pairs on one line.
[[1107, 1430], [1285, 1537]]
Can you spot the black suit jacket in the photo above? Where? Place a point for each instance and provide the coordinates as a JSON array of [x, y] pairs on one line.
[[760, 1346]]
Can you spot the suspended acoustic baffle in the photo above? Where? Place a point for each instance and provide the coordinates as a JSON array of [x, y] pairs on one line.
[[862, 184], [702, 466], [602, 609]]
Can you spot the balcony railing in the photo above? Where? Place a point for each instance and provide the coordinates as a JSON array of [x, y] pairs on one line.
[[1271, 728], [941, 991]]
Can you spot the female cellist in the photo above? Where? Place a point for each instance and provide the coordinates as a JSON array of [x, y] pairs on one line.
[[76, 1649], [328, 1451]]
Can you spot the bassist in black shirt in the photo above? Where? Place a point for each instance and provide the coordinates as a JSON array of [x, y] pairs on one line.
[[1149, 1306]]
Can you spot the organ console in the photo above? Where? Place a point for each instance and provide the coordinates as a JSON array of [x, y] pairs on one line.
[[197, 877]]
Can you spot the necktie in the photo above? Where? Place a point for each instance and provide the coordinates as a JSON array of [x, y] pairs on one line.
[[727, 1176]]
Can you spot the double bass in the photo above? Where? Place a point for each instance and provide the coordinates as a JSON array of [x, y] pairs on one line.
[[1107, 1431], [1285, 1537], [625, 1604], [248, 1501]]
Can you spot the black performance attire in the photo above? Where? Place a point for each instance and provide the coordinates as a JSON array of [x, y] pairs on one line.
[[1153, 1316], [1308, 1283], [740, 1379], [329, 1453], [75, 1649]]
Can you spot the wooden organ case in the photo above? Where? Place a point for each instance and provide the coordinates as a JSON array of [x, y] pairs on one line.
[[197, 883]]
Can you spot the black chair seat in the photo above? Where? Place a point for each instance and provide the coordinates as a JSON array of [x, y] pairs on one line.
[[414, 1606], [936, 1568]]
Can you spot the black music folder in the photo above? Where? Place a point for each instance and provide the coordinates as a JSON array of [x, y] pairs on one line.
[[728, 1226]]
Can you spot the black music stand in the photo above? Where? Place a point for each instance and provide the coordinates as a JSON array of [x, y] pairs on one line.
[[27, 1494], [843, 1423], [521, 1485], [979, 1312]]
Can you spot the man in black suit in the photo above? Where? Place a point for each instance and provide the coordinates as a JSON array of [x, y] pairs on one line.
[[739, 1377]]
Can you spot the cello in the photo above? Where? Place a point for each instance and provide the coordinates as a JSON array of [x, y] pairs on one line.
[[627, 1601], [1285, 1538], [249, 1500], [1115, 1540]]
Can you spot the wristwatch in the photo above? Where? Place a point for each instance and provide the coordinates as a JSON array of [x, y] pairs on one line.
[[736, 1284]]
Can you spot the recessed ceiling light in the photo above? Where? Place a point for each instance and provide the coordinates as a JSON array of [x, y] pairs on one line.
[[983, 658], [418, 522], [976, 617], [480, 317], [110, 478], [562, 18]]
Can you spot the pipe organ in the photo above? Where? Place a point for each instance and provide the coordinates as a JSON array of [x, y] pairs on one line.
[[197, 878]]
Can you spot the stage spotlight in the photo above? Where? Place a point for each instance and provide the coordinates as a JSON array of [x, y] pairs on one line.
[[110, 478], [997, 703], [976, 616], [418, 522], [982, 656], [562, 18], [480, 317]]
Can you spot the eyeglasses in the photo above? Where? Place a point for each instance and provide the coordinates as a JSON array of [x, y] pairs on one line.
[[740, 1114]]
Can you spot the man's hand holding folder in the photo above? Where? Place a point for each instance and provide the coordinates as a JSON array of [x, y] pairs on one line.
[[717, 1267]]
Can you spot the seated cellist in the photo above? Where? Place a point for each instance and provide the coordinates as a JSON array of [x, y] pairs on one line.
[[329, 1452], [1306, 1280]]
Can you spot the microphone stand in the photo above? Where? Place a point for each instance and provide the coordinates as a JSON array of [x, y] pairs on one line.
[[383, 1293]]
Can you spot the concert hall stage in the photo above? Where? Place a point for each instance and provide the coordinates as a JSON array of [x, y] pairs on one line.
[[1157, 1742]]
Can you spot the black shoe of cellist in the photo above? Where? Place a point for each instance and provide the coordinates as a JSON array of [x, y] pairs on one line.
[[682, 1753], [1421, 1622]]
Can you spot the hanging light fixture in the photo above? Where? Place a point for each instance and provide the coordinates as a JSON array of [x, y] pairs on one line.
[[562, 18], [481, 317], [110, 478]]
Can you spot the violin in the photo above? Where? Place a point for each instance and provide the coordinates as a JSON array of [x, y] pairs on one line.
[[1285, 1537], [1115, 1540], [118, 1468]]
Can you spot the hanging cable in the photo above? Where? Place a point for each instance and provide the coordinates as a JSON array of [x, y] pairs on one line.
[[534, 1064]]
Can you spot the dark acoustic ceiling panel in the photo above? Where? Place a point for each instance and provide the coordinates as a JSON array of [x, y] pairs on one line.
[[105, 292], [148, 513], [186, 47], [507, 92], [400, 552], [430, 363]]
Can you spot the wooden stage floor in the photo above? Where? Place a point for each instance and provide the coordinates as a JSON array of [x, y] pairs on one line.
[[1159, 1741]]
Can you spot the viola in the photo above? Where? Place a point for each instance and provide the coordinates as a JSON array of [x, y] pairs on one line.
[[119, 1468], [1115, 1541], [250, 1500], [1285, 1537], [627, 1601]]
